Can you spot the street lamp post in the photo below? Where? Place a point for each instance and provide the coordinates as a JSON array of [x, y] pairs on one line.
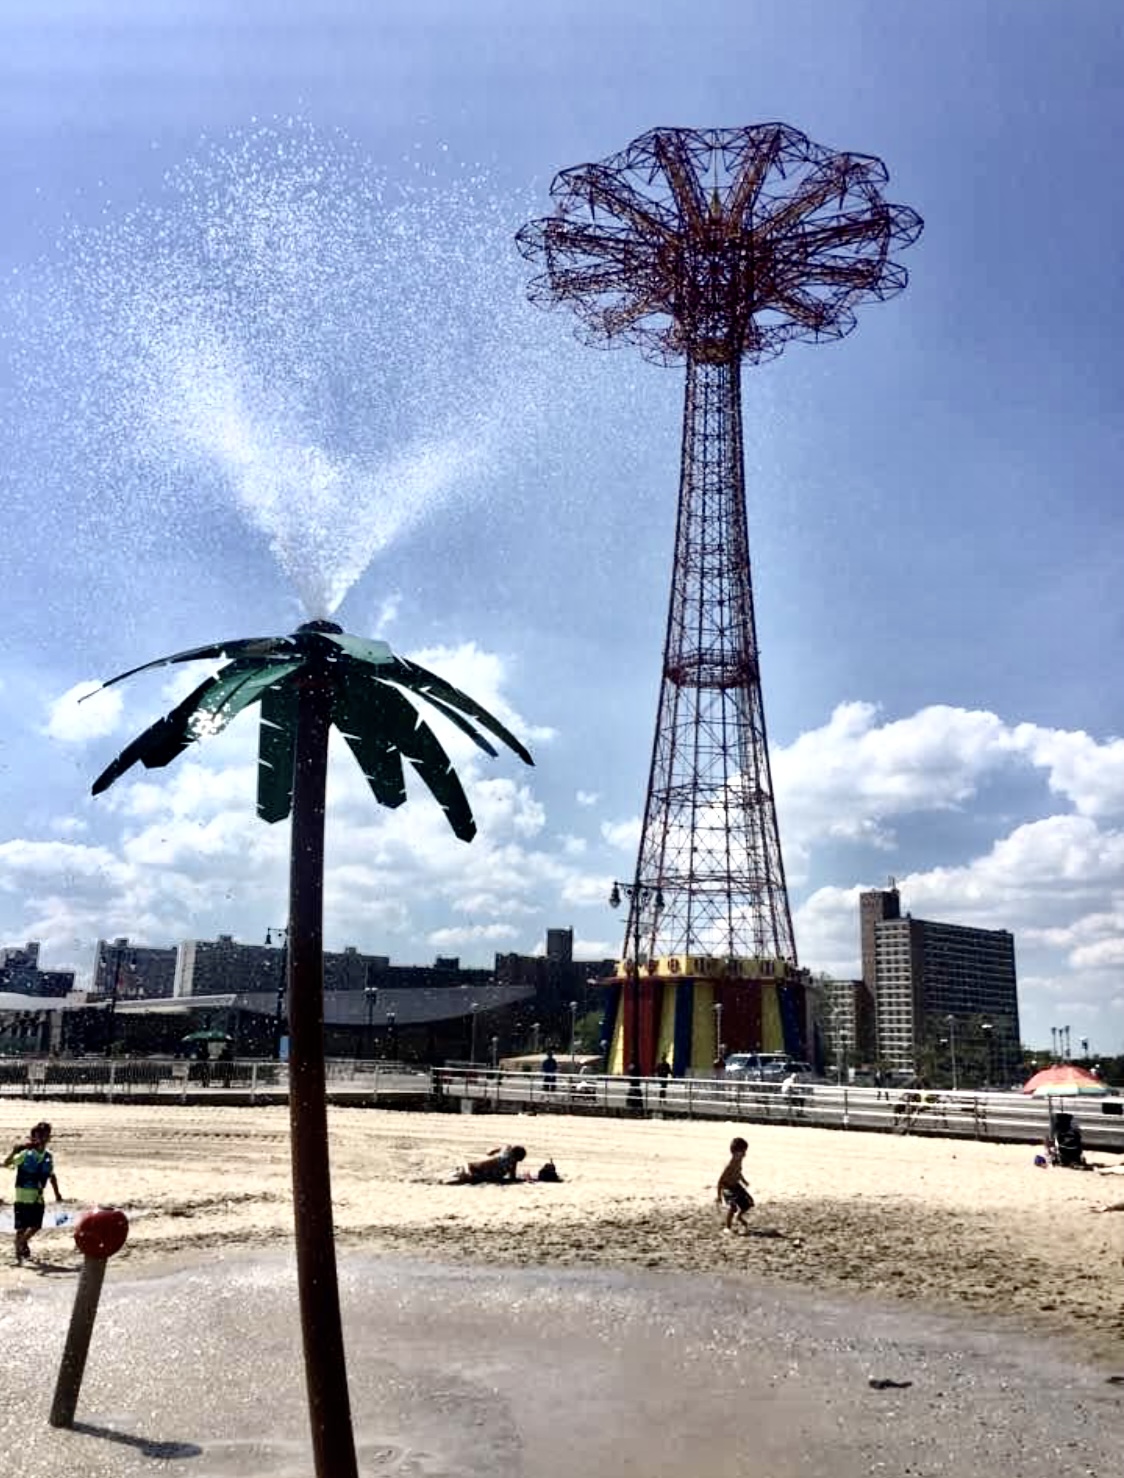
[[719, 1055], [573, 1030], [282, 982], [472, 1040], [535, 1037], [1085, 1048], [952, 1047], [114, 991], [392, 1035], [638, 894], [987, 1028], [495, 1044], [372, 994]]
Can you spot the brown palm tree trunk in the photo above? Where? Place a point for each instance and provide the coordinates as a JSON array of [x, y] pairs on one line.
[[333, 1442]]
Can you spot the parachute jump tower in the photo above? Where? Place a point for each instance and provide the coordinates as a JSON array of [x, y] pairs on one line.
[[713, 247]]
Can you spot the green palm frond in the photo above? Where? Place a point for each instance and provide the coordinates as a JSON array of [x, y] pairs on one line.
[[267, 648], [372, 706], [383, 727], [277, 746]]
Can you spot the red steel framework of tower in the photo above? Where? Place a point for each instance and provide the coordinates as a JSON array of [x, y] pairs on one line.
[[714, 246]]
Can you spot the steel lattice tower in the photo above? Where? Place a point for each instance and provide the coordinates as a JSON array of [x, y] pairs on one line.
[[715, 246]]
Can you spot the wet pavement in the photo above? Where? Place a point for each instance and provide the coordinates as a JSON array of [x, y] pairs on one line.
[[532, 1373]]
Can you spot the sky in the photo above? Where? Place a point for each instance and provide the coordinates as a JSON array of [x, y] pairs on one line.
[[264, 346]]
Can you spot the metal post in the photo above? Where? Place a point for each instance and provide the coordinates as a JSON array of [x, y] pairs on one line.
[[637, 894], [111, 1014], [472, 1042], [573, 1030], [987, 1029], [372, 994], [333, 1443], [82, 1318], [952, 1047], [279, 1006]]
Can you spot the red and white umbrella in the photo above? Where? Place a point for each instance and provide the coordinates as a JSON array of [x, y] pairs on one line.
[[1066, 1079]]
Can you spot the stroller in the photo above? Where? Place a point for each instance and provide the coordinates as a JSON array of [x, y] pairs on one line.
[[1064, 1146]]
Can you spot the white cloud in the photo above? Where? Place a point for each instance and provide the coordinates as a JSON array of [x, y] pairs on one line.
[[596, 949], [1086, 772], [69, 825], [481, 675], [624, 835], [84, 712], [472, 934], [854, 775], [587, 797], [584, 890]]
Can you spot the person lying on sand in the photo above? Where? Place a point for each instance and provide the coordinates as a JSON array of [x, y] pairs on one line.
[[501, 1165]]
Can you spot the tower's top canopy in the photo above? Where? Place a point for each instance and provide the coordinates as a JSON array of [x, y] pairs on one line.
[[719, 243]]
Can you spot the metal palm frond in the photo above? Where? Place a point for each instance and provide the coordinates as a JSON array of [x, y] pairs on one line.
[[372, 691]]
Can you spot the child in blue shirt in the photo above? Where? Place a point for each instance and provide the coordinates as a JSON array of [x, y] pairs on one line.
[[35, 1168]]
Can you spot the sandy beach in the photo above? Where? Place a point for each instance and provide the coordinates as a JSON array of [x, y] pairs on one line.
[[949, 1225]]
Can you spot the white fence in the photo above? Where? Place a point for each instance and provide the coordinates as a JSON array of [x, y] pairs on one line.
[[967, 1115], [996, 1116], [167, 1079]]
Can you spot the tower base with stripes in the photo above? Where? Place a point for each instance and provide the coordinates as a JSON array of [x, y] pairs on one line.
[[692, 1010]]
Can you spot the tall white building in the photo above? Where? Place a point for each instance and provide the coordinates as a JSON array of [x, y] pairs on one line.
[[945, 995]]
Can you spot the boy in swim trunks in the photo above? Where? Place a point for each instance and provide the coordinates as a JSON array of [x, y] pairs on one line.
[[733, 1192]]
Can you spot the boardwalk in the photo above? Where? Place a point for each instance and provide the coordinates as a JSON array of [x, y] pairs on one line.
[[1005, 1117]]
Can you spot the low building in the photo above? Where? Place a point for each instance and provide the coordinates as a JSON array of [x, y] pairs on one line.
[[20, 973]]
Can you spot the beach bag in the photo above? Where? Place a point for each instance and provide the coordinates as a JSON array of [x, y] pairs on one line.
[[548, 1172]]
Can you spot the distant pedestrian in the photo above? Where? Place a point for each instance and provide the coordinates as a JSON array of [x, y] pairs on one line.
[[35, 1169], [634, 1098], [549, 1072], [733, 1192], [663, 1072]]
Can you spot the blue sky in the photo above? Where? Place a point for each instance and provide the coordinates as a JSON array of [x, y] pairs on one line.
[[935, 515]]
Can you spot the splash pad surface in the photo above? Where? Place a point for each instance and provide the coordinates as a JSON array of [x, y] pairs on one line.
[[530, 1374]]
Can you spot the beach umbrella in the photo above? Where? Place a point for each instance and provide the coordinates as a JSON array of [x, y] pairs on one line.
[[1067, 1080]]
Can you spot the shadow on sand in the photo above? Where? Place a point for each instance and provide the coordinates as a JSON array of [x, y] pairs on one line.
[[148, 1446]]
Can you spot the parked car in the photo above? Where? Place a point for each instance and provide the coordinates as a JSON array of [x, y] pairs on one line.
[[757, 1067]]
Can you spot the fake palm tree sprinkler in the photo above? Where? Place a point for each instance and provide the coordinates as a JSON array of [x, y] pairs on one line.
[[305, 683]]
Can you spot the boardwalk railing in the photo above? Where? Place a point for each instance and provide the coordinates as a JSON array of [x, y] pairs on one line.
[[969, 1115], [249, 1080], [966, 1115]]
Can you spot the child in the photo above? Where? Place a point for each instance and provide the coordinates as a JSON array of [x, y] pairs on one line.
[[732, 1188], [34, 1168]]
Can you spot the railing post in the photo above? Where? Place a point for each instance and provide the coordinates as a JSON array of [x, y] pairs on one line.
[[109, 1084]]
